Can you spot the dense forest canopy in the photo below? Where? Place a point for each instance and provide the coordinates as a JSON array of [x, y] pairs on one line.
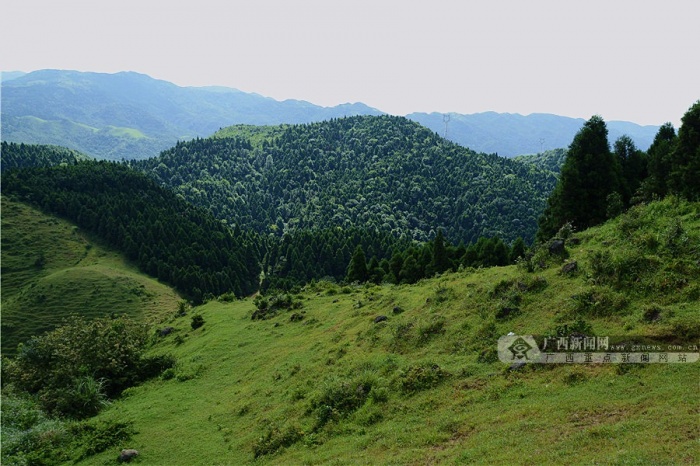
[[384, 173], [168, 238], [33, 155]]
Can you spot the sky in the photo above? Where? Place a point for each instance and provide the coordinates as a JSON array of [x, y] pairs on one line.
[[633, 60]]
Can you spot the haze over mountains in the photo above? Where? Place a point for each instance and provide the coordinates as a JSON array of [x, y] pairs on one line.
[[133, 116]]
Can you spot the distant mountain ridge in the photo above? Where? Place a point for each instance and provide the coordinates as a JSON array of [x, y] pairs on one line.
[[129, 115], [510, 134]]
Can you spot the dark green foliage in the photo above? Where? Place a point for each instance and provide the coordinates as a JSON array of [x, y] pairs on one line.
[[75, 368], [357, 270], [440, 261], [91, 438], [197, 321], [589, 175], [633, 163], [16, 156], [551, 160], [384, 173], [268, 307], [518, 250], [684, 178], [303, 255], [31, 437], [659, 165], [168, 238]]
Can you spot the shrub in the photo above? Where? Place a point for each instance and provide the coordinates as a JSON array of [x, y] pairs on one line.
[[197, 321], [85, 360], [340, 398], [421, 377], [599, 302], [276, 438], [432, 329], [95, 437]]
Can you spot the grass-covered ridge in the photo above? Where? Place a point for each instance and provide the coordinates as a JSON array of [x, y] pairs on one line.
[[52, 269], [322, 383]]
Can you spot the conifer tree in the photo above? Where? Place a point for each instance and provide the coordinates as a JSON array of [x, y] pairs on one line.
[[659, 155], [589, 175], [685, 158], [440, 261], [357, 270], [633, 164]]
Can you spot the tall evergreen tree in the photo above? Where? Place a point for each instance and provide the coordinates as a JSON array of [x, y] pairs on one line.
[[357, 270], [633, 164], [517, 250], [589, 175], [685, 158], [440, 261], [659, 155]]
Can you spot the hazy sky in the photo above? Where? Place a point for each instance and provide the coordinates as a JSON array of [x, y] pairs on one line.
[[633, 60]]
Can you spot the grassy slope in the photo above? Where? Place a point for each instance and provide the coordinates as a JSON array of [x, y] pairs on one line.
[[50, 269], [237, 378]]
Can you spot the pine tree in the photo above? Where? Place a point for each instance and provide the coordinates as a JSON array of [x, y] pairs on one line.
[[440, 261], [517, 250], [685, 158], [633, 164], [357, 270], [589, 175], [659, 155]]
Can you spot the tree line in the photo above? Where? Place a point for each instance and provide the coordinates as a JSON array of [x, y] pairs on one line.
[[597, 183]]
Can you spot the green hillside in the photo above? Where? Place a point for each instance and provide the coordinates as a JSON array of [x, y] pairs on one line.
[[385, 173], [551, 160], [162, 234], [322, 383], [52, 269]]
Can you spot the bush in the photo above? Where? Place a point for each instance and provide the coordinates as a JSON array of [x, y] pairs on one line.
[[432, 329], [84, 360], [30, 437], [197, 321], [421, 377], [95, 437], [340, 398], [599, 302], [275, 438]]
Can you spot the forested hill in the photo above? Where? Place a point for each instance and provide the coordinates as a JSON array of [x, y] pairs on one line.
[[30, 155], [386, 173], [168, 238]]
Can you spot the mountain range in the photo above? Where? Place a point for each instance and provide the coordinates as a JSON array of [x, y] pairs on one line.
[[128, 115]]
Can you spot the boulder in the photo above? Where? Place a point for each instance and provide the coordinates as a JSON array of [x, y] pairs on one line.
[[556, 247], [127, 455], [569, 267], [380, 319]]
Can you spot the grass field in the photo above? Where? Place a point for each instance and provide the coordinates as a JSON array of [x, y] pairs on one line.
[[322, 383], [51, 269]]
